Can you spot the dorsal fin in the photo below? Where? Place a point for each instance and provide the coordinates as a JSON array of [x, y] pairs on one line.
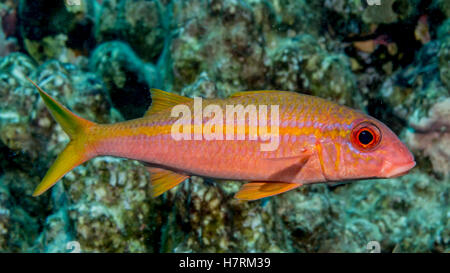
[[247, 93], [258, 190], [162, 100]]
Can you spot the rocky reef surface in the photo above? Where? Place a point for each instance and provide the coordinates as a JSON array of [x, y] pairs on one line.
[[100, 58]]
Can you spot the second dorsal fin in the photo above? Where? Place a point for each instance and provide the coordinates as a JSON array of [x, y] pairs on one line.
[[162, 100]]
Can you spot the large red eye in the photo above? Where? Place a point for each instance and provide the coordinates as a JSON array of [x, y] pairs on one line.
[[366, 136]]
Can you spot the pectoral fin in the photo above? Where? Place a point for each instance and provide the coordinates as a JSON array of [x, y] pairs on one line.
[[163, 180], [258, 190]]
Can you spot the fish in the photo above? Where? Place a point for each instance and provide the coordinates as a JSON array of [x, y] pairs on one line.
[[319, 141]]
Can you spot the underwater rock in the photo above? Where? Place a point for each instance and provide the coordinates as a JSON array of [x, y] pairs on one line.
[[235, 61], [379, 40], [29, 138], [139, 23], [56, 236], [350, 18], [345, 8], [111, 206], [419, 96], [432, 136], [16, 101], [444, 53], [203, 216], [202, 87], [443, 5], [295, 63], [20, 150], [127, 77], [390, 11], [19, 213], [8, 17], [293, 17], [300, 64], [228, 47], [85, 94], [347, 224], [343, 19], [5, 215], [59, 31], [7, 45], [410, 212], [8, 29]]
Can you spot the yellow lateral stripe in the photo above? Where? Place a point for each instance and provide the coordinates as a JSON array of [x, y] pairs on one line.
[[166, 129]]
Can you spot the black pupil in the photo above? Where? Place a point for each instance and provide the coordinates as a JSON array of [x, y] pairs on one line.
[[365, 137]]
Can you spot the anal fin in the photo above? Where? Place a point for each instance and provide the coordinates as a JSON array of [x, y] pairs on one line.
[[163, 180], [258, 190]]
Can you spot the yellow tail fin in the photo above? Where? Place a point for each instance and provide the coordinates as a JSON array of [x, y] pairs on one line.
[[76, 152]]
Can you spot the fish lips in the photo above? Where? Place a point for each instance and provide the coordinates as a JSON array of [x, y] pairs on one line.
[[391, 170]]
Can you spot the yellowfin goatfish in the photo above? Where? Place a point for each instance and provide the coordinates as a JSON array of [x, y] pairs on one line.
[[318, 141]]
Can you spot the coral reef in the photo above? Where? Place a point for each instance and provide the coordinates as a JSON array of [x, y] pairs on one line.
[[8, 28], [300, 63], [59, 31], [30, 139], [100, 58], [419, 95], [139, 23], [195, 49], [432, 136], [127, 77]]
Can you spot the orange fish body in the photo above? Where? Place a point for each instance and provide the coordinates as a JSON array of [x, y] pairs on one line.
[[316, 141]]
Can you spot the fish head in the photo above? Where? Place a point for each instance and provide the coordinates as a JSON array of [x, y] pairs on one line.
[[371, 150]]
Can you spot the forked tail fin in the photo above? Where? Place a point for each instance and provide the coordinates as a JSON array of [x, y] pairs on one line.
[[76, 152]]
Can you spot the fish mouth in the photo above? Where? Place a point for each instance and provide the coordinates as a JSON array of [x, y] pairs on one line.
[[391, 170]]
